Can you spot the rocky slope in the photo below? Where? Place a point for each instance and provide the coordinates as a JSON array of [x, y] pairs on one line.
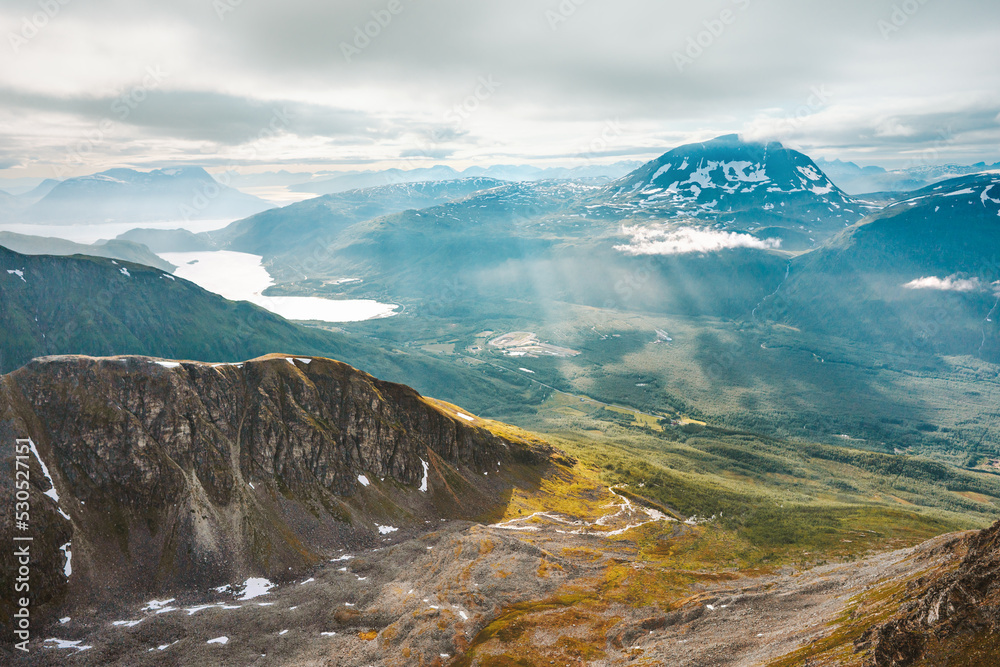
[[151, 477], [953, 619]]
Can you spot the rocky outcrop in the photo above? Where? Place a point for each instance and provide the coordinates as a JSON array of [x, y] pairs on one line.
[[157, 476], [954, 617]]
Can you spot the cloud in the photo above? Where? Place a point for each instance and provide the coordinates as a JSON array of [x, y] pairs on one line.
[[953, 283], [685, 240], [600, 61]]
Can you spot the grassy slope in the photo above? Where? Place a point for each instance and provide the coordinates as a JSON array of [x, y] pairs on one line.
[[86, 305]]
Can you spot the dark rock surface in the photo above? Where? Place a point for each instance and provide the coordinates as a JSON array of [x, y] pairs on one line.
[[954, 619], [185, 476]]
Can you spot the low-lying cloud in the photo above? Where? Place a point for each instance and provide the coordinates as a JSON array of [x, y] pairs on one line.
[[954, 283], [684, 240]]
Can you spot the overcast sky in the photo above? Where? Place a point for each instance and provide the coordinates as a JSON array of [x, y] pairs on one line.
[[256, 84]]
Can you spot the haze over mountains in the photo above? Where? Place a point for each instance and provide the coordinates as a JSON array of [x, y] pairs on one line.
[[126, 195], [737, 373]]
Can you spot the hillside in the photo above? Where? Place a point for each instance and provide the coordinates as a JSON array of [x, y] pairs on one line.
[[124, 250], [173, 476], [94, 306], [921, 274]]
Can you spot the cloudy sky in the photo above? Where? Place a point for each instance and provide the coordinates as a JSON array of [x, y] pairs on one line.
[[319, 85]]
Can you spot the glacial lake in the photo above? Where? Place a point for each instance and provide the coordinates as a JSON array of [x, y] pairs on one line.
[[241, 277]]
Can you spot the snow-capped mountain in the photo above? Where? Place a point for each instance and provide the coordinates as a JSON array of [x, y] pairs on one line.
[[127, 195], [743, 185]]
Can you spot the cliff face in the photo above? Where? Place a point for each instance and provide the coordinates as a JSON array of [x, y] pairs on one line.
[[174, 475], [954, 617]]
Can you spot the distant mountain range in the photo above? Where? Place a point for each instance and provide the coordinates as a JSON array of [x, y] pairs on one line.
[[357, 180], [126, 195], [123, 249], [860, 180], [11, 204]]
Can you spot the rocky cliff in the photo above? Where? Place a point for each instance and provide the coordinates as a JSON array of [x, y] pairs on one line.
[[149, 476], [953, 617]]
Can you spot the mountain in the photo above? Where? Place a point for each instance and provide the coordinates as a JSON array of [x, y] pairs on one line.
[[952, 615], [922, 274], [516, 248], [859, 180], [125, 250], [90, 305], [742, 185], [94, 306], [168, 240], [311, 224], [126, 195], [369, 179], [39, 191], [10, 204], [153, 477]]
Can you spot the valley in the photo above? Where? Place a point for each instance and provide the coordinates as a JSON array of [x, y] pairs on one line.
[[716, 412]]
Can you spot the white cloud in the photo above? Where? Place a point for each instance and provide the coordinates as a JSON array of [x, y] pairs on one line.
[[953, 284], [661, 240]]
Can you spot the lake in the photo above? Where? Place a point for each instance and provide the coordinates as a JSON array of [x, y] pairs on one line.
[[240, 276]]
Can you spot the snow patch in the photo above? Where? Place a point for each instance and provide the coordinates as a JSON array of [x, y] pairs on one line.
[[462, 415], [51, 493], [254, 587], [17, 272], [167, 364], [219, 640], [156, 605], [65, 643], [423, 482], [659, 172], [125, 272], [385, 530], [364, 480]]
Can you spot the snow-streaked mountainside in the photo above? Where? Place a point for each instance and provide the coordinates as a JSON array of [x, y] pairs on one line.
[[962, 195], [125, 195], [921, 273], [743, 184]]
